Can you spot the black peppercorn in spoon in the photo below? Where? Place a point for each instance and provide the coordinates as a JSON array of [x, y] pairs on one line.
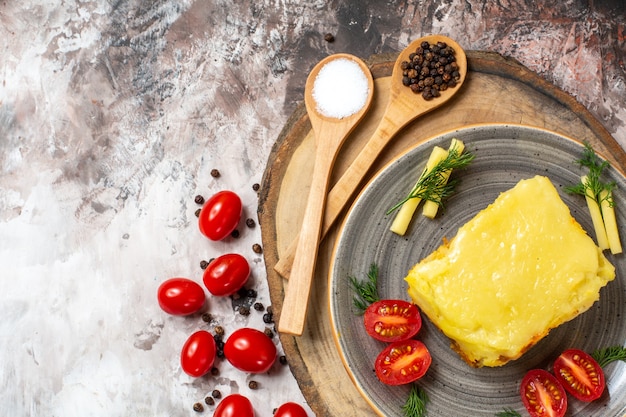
[[403, 107]]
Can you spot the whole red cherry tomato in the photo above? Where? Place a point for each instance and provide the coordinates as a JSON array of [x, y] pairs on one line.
[[250, 350], [542, 394], [290, 410], [579, 374], [234, 405], [392, 320], [226, 274], [198, 354], [180, 296], [220, 215]]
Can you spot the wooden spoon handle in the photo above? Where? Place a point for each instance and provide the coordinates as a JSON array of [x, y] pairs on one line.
[[296, 301], [343, 191]]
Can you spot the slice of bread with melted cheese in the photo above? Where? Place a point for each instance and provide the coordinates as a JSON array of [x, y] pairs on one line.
[[518, 269]]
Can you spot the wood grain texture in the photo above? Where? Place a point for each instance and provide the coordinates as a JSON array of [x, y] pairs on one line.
[[497, 89]]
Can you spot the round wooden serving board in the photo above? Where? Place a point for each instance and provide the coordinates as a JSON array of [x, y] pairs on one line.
[[497, 90]]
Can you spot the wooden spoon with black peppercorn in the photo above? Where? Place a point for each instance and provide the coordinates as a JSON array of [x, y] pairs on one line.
[[404, 106], [337, 94]]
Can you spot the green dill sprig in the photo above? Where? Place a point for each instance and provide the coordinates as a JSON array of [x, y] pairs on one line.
[[608, 355], [432, 185], [508, 412], [366, 291], [415, 405], [593, 186]]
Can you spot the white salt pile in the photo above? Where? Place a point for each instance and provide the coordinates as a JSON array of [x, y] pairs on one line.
[[340, 88]]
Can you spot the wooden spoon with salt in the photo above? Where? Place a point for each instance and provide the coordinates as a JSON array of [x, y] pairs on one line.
[[337, 94], [403, 107]]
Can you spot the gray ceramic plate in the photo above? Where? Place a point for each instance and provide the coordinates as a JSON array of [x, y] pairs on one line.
[[504, 154]]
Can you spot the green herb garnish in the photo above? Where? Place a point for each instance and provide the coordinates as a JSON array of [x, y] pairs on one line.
[[366, 291], [594, 186], [608, 355], [434, 185], [508, 412], [415, 405]]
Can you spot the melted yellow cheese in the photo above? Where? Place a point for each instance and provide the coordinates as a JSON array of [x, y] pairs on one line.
[[521, 267]]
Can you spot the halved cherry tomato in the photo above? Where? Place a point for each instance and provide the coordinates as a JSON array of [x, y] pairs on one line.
[[392, 320], [579, 374], [250, 350], [220, 215], [542, 394], [226, 274], [180, 296], [290, 410], [198, 354], [234, 405], [402, 362]]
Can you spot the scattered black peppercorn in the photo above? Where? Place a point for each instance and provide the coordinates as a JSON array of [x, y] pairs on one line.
[[432, 68], [215, 371], [244, 311], [198, 407], [258, 306], [268, 332], [250, 222], [235, 233], [197, 213], [199, 199], [253, 385], [209, 400], [203, 264], [215, 173], [256, 248], [251, 293], [329, 38], [268, 318], [216, 394], [256, 187], [206, 317], [219, 330], [283, 360]]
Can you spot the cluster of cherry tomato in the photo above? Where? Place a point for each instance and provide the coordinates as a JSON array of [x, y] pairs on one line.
[[396, 322], [575, 371], [246, 349]]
